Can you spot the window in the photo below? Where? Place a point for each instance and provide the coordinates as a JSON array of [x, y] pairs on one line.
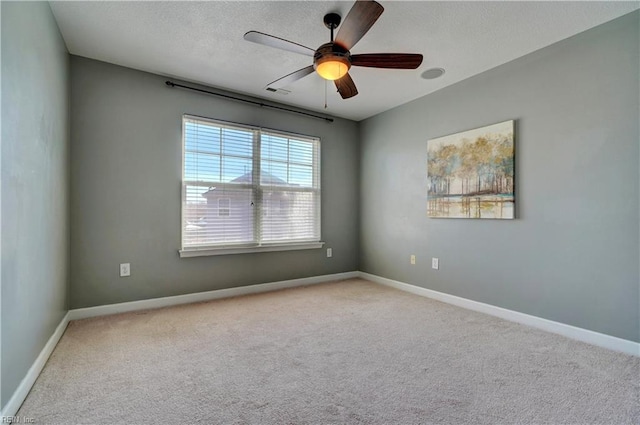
[[223, 207], [247, 189]]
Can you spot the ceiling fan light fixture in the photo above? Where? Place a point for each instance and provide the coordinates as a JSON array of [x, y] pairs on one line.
[[332, 69], [331, 61]]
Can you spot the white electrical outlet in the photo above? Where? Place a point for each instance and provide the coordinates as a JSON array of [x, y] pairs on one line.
[[125, 269], [329, 252], [412, 259], [435, 263]]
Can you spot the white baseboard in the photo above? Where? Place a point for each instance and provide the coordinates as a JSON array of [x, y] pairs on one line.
[[103, 310], [573, 332], [14, 403]]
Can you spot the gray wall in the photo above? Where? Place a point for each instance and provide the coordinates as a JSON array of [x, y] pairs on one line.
[[35, 157], [125, 190], [572, 255]]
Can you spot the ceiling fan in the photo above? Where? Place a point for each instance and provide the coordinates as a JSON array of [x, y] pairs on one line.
[[333, 60]]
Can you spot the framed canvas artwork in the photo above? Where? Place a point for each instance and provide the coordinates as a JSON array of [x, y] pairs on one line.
[[471, 174]]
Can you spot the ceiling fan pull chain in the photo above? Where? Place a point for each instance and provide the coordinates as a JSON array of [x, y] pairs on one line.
[[325, 94]]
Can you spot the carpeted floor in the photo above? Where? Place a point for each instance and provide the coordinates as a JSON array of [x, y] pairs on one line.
[[345, 352]]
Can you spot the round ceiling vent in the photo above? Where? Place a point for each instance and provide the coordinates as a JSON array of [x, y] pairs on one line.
[[432, 73]]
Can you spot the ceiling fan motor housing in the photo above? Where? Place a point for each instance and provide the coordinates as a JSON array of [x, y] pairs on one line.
[[333, 57]]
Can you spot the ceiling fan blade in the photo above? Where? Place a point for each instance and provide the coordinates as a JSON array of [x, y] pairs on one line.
[[346, 87], [278, 43], [360, 18], [388, 60], [290, 78]]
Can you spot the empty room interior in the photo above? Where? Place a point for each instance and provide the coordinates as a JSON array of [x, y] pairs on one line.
[[320, 212]]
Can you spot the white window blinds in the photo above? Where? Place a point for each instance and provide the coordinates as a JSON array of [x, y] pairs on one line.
[[290, 188], [247, 187]]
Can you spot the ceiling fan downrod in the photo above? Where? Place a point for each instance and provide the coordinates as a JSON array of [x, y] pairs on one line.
[[331, 21]]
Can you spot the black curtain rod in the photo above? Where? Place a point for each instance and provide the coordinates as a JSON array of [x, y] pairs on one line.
[[265, 105]]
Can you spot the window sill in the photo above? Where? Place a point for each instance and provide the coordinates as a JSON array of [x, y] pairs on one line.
[[203, 252]]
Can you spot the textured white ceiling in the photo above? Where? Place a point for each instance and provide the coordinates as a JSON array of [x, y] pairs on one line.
[[202, 42]]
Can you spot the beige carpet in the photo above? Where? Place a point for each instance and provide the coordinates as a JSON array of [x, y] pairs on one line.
[[346, 352]]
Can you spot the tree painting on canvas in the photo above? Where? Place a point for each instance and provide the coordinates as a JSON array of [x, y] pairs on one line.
[[471, 174]]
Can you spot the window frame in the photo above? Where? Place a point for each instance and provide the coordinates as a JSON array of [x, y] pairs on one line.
[[257, 194]]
